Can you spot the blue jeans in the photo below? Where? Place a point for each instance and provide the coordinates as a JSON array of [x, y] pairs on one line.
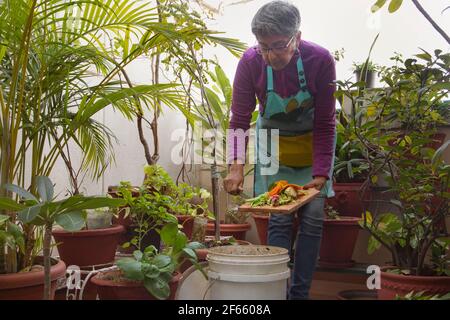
[[307, 245]]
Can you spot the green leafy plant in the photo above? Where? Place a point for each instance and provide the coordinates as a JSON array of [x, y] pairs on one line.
[[193, 201], [50, 53], [155, 269], [366, 65], [148, 211], [350, 164], [398, 133], [44, 210], [439, 257], [158, 180]]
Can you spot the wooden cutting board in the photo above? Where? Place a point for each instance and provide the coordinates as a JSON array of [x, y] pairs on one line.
[[285, 209]]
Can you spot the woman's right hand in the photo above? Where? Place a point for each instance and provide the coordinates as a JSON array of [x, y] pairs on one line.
[[234, 181]]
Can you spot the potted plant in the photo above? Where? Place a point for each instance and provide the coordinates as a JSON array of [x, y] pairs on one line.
[[189, 203], [148, 212], [338, 240], [48, 100], [399, 137], [42, 210], [350, 167], [94, 245], [366, 72], [150, 274]]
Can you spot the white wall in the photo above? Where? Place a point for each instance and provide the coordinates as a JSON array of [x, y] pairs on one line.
[[347, 24], [333, 24]]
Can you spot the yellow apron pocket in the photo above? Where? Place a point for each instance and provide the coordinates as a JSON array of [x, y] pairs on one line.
[[296, 151]]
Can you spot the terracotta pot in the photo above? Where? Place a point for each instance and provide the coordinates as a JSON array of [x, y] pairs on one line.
[[397, 284], [187, 222], [128, 290], [237, 231], [347, 201], [30, 285], [262, 225], [338, 242], [88, 247]]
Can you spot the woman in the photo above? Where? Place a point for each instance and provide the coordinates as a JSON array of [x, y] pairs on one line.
[[293, 81]]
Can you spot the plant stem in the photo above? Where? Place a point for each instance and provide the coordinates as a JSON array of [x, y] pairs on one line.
[[433, 23], [47, 262], [215, 190]]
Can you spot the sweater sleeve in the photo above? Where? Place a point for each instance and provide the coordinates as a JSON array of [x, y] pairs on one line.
[[242, 107], [324, 119]]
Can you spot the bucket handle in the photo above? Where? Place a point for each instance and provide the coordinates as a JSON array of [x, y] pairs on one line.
[[209, 287]]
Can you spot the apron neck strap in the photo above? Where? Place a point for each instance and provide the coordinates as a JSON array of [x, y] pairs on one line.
[[300, 71], [269, 79]]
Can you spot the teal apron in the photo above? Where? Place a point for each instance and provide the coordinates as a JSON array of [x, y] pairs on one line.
[[293, 117]]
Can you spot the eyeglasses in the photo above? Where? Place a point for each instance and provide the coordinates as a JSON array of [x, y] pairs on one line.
[[276, 50]]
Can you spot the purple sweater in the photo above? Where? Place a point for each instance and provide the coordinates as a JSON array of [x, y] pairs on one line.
[[250, 83]]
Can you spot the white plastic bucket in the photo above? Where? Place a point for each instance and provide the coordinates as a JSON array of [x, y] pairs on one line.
[[248, 273]]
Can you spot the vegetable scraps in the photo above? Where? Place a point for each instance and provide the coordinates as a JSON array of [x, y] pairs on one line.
[[280, 193]]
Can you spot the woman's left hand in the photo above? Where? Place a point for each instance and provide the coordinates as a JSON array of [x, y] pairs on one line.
[[317, 182]]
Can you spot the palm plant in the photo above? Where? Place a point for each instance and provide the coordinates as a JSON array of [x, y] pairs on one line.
[[60, 67]]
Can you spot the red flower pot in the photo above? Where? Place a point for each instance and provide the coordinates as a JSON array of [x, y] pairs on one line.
[[347, 201], [128, 290], [237, 231], [338, 241], [262, 225], [188, 223], [30, 285], [398, 284], [88, 247]]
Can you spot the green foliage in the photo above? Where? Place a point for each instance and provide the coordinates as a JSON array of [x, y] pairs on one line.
[[158, 179], [397, 134], [394, 5], [350, 164], [423, 296], [155, 269], [44, 209], [367, 65], [148, 211]]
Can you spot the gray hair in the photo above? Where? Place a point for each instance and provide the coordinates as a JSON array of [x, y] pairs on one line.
[[276, 18]]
